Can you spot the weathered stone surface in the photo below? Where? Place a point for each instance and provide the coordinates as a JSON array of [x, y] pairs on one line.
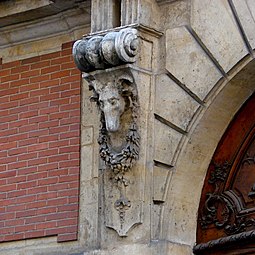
[[144, 58], [164, 199], [161, 176], [87, 136], [188, 62], [42, 36], [251, 6], [178, 249], [181, 221], [109, 15], [214, 23], [175, 14], [21, 6], [166, 142], [187, 181], [247, 18], [104, 51], [129, 12], [87, 163], [173, 103]]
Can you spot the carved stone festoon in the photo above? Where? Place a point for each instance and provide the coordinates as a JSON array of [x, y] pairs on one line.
[[105, 61]]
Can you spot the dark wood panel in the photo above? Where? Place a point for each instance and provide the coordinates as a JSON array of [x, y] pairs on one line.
[[227, 205]]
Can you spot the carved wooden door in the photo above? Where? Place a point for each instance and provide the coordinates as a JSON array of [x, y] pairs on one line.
[[226, 217]]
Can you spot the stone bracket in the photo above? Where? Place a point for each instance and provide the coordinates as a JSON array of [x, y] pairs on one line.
[[103, 59], [102, 52]]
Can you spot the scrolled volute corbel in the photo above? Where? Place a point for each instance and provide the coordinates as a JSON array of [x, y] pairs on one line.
[[101, 52]]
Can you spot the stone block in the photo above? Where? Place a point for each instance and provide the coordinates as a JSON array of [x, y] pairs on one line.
[[180, 224], [89, 192], [251, 6], [90, 112], [21, 6], [144, 57], [214, 23], [246, 15], [160, 179], [89, 168], [178, 249], [189, 63], [173, 103], [87, 135], [175, 14], [166, 142], [88, 225]]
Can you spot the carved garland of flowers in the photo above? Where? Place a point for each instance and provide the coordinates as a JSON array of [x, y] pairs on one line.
[[123, 161]]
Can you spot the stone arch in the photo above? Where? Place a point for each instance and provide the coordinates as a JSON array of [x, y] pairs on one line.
[[197, 150]]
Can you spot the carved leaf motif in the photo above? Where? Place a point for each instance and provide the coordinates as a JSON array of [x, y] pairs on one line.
[[123, 161], [220, 173], [211, 216], [249, 159], [219, 210]]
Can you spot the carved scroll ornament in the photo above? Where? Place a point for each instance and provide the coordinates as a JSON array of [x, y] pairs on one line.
[[101, 52], [221, 208]]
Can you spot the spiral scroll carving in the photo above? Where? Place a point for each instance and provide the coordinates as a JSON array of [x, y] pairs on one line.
[[101, 52]]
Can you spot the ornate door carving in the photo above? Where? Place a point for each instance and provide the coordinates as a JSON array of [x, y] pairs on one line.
[[226, 217]]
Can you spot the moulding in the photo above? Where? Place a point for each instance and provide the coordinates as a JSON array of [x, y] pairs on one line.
[[15, 8], [139, 26], [224, 241], [65, 22]]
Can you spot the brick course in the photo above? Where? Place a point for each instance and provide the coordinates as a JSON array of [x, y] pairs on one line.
[[40, 147]]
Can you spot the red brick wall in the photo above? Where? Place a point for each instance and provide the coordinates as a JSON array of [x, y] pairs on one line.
[[39, 147]]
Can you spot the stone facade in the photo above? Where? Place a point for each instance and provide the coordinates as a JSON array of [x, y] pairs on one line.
[[192, 69]]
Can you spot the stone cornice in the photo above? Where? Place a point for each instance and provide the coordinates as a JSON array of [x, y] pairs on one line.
[[62, 23], [19, 11]]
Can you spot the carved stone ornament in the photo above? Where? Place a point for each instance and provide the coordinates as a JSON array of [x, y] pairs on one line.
[[115, 93], [101, 52], [248, 159], [221, 207]]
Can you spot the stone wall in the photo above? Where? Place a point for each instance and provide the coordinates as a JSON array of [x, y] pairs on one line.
[[200, 66], [194, 70]]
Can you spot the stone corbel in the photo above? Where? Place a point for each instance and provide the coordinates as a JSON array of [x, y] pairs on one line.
[[105, 59], [102, 52]]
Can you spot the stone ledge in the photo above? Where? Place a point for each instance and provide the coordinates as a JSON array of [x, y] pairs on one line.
[[64, 22], [18, 11], [43, 35]]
